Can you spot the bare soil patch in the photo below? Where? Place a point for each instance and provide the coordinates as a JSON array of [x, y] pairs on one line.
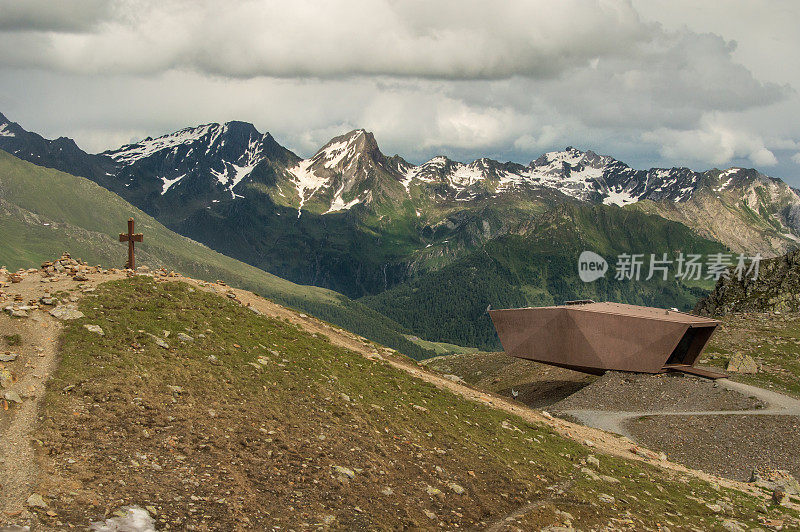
[[731, 446]]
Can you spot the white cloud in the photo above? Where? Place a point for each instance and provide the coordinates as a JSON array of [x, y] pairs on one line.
[[713, 142], [796, 158], [453, 39]]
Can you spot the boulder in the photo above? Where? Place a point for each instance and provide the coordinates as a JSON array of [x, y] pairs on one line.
[[66, 312], [742, 363], [772, 479], [6, 378], [344, 472], [95, 329], [11, 395], [128, 518], [36, 501]]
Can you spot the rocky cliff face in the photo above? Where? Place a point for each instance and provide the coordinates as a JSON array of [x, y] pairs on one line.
[[777, 288], [742, 208]]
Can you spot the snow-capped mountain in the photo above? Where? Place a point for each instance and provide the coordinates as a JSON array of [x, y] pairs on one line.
[[205, 163], [343, 173], [219, 167], [585, 176], [349, 160]]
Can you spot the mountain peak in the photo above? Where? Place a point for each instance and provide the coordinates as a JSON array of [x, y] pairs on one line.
[[9, 128], [342, 151], [237, 127]]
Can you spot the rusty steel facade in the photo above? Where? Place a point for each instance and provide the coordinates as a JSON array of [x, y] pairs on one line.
[[595, 337]]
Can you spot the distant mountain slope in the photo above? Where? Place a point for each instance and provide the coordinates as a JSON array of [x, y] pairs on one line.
[[777, 288], [539, 267], [745, 209], [61, 153], [44, 212], [351, 219], [174, 175]]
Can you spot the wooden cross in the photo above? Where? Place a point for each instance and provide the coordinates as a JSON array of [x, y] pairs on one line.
[[130, 238]]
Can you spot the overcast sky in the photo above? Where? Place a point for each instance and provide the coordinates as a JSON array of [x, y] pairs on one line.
[[695, 83]]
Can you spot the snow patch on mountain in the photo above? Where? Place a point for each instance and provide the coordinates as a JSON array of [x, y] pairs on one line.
[[466, 175], [306, 181], [728, 176], [131, 153], [5, 132], [333, 154], [338, 203], [620, 198], [169, 182]]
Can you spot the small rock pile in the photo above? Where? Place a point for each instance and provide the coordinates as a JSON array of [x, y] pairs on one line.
[[66, 265], [63, 268]]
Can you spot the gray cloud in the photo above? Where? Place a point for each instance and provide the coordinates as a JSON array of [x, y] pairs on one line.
[[466, 79], [444, 40], [52, 16]]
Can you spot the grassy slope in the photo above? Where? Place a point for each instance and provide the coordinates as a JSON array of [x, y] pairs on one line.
[[250, 440], [540, 268], [85, 219], [771, 339]]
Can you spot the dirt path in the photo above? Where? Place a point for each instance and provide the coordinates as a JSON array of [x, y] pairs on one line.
[[36, 361], [777, 405], [18, 467]]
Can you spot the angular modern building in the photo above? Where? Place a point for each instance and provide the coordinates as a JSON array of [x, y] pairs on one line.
[[595, 337]]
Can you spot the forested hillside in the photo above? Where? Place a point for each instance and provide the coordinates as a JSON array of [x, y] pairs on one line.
[[539, 267]]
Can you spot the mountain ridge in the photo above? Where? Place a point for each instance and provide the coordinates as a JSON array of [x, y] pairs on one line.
[[353, 220], [584, 175]]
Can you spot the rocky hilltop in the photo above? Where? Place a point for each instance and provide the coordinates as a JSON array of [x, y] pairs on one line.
[[777, 288]]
